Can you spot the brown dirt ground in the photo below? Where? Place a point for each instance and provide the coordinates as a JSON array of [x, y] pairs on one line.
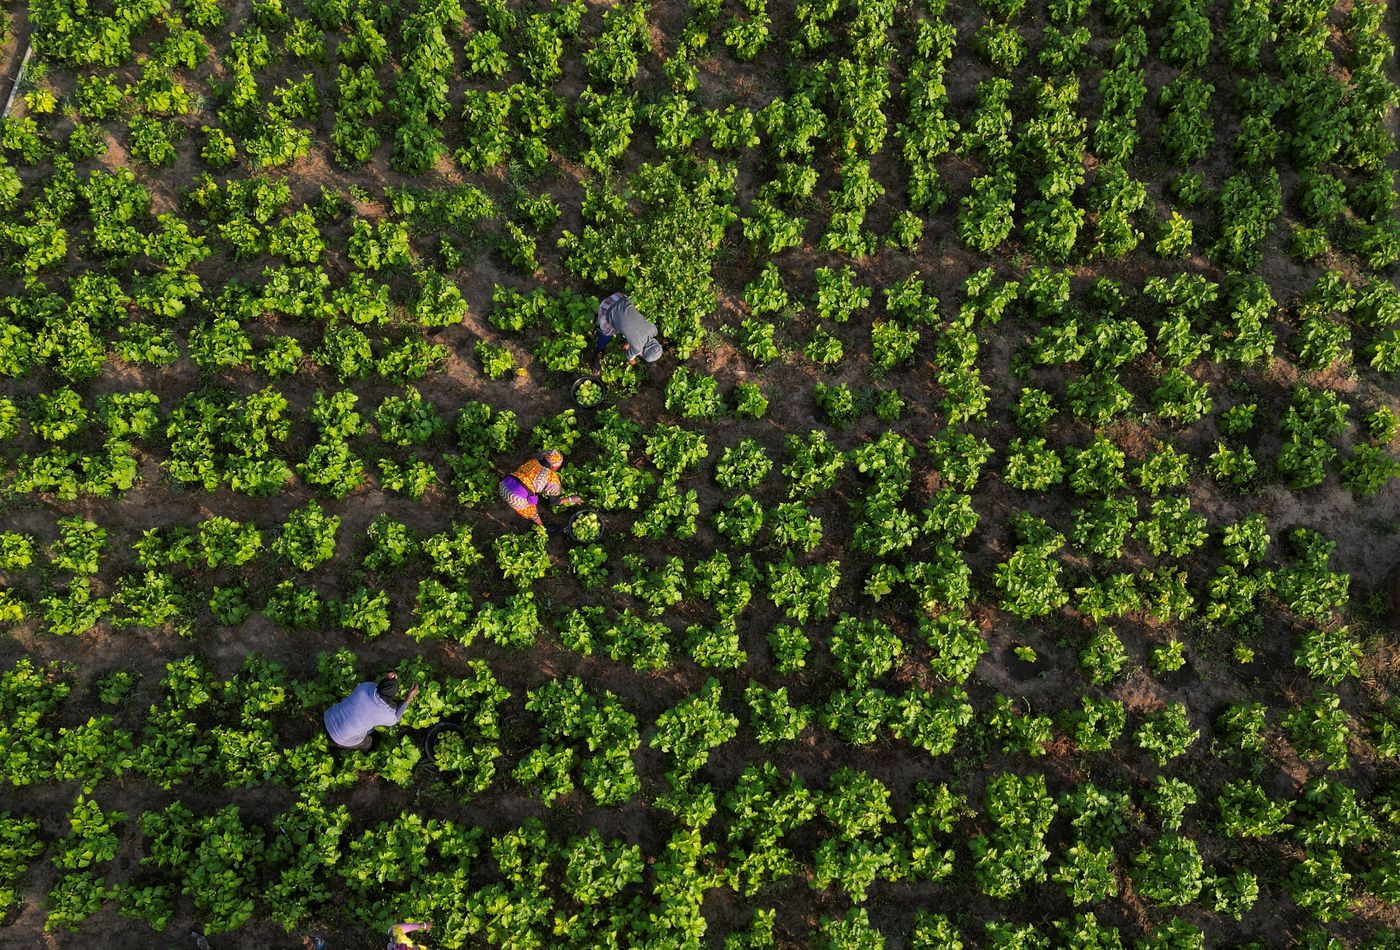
[[1364, 531]]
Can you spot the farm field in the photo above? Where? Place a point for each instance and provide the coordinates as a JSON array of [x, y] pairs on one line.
[[1004, 553]]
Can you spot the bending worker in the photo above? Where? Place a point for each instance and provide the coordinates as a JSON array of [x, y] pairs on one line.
[[536, 479], [399, 938], [619, 315], [369, 706]]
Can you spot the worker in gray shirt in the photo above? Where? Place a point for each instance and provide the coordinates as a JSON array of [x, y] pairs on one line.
[[369, 706], [619, 315]]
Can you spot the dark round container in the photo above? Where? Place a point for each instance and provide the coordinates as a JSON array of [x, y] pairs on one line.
[[429, 760], [575, 517], [602, 392]]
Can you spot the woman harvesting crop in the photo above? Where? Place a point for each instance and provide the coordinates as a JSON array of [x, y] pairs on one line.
[[539, 477]]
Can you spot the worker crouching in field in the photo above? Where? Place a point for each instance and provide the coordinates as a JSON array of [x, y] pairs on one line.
[[399, 938], [618, 315], [369, 706], [535, 481]]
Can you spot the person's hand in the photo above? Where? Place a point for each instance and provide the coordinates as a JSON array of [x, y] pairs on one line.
[[412, 692], [428, 925]]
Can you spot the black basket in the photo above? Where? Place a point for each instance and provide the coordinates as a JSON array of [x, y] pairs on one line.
[[602, 392], [579, 514], [429, 760]]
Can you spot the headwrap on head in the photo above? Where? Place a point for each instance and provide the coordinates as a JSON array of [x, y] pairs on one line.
[[553, 458], [652, 351], [388, 689]]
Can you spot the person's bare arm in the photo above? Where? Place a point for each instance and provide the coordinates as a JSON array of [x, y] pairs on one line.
[[412, 692]]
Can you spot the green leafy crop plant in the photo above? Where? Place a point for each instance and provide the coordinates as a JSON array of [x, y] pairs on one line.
[[1000, 551]]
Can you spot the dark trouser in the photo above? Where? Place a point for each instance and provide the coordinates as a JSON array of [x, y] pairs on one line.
[[364, 746], [603, 340]]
